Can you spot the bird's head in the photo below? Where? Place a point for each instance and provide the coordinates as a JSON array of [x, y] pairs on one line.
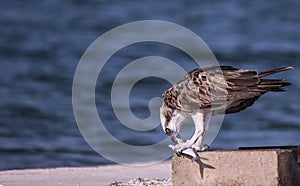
[[171, 120]]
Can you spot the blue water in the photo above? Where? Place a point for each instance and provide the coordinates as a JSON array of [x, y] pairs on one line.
[[41, 43]]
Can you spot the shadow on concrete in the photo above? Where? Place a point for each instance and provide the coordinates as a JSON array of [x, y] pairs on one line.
[[202, 165]]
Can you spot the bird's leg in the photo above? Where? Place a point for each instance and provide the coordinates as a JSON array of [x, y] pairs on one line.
[[198, 119], [197, 145], [199, 122]]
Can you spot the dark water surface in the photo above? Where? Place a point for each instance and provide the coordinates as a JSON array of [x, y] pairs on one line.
[[41, 43]]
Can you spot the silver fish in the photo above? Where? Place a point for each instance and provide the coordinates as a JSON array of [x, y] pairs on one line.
[[190, 152]]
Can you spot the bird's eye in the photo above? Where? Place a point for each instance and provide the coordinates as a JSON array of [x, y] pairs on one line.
[[168, 131]]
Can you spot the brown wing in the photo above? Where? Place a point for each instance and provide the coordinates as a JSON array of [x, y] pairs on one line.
[[198, 89], [214, 87]]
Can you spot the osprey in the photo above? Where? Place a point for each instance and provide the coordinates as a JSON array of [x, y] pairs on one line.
[[213, 90]]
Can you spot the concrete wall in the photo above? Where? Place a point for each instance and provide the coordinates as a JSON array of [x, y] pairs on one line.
[[239, 167]]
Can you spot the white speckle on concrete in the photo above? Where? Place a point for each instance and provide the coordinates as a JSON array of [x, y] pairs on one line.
[[144, 182]]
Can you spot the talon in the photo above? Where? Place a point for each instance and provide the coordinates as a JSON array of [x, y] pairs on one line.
[[178, 153], [201, 148], [204, 147], [172, 147], [197, 148], [177, 148], [180, 147]]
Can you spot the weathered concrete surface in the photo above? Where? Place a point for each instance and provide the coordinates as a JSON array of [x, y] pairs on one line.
[[240, 167], [81, 176]]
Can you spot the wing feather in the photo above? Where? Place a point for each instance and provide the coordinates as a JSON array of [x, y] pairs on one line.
[[213, 87]]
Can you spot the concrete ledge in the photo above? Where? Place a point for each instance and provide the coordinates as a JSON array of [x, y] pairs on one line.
[[240, 167]]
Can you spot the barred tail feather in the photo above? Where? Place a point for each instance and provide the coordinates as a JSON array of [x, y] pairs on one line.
[[274, 85]]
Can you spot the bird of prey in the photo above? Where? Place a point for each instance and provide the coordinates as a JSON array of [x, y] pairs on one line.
[[212, 90]]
